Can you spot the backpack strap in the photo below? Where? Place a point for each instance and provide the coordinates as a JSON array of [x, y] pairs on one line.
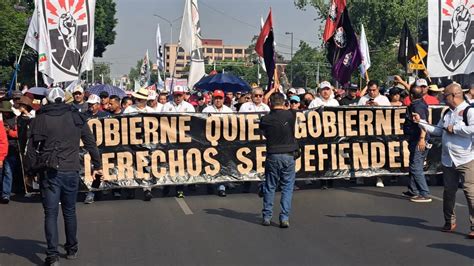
[[464, 115]]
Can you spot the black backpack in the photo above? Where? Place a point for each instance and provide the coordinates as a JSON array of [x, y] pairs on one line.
[[464, 114]]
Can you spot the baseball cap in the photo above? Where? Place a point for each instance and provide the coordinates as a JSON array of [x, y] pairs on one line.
[[17, 94], [56, 95], [178, 90], [353, 87], [295, 98], [292, 90], [325, 84], [218, 93], [421, 82], [301, 91], [93, 99], [78, 88]]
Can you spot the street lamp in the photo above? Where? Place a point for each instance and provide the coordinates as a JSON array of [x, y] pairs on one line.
[[170, 22], [291, 59]]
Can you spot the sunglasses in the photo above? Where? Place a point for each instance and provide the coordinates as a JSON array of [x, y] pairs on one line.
[[294, 102], [258, 95]]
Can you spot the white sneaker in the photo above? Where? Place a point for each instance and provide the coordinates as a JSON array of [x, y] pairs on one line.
[[379, 182]]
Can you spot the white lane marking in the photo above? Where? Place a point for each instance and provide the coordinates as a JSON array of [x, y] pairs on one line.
[[184, 206], [440, 199]]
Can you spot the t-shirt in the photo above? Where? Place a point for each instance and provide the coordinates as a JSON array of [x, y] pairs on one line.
[[411, 130], [279, 130], [183, 107], [213, 109], [250, 107], [429, 100], [135, 109], [320, 102], [158, 108], [380, 100]]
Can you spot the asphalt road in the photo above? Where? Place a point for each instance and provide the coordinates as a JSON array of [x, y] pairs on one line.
[[360, 225]]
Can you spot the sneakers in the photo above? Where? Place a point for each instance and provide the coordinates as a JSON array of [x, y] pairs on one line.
[[284, 224], [117, 195], [147, 196], [4, 200], [379, 182], [180, 194], [408, 194], [221, 193], [266, 222], [71, 255], [471, 234], [52, 261], [89, 198], [448, 227], [420, 199]]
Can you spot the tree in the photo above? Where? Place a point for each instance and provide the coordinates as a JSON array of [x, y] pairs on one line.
[[134, 73], [383, 21], [305, 66], [105, 23]]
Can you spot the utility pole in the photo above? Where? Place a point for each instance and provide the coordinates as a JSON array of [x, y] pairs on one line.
[[291, 58]]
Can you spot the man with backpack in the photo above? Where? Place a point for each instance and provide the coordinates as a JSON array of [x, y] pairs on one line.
[[457, 130]]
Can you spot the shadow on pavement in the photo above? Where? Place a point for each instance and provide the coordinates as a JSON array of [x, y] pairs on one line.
[[395, 220], [252, 218], [380, 193], [25, 248], [464, 250]]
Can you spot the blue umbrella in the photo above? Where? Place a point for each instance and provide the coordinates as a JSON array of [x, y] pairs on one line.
[[223, 81], [38, 91], [112, 90]]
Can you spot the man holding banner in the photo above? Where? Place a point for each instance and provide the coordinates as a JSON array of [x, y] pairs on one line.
[[279, 129], [457, 130]]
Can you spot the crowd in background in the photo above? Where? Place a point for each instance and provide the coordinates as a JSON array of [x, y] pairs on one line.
[[19, 108]]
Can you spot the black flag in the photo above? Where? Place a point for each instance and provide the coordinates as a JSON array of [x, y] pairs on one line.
[[407, 47]]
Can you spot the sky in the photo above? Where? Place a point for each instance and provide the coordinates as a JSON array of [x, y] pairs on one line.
[[233, 21]]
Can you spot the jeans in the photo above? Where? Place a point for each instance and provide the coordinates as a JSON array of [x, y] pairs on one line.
[[59, 186], [9, 166], [451, 176], [417, 184], [278, 168]]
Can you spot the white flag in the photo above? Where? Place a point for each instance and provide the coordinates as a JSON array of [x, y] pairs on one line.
[[450, 32], [191, 41], [62, 32], [364, 49], [145, 71], [159, 49]]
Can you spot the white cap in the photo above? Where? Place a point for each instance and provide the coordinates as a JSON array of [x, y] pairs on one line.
[[55, 94], [292, 90], [325, 84], [179, 89], [152, 95], [78, 88], [421, 82], [93, 99], [300, 91]]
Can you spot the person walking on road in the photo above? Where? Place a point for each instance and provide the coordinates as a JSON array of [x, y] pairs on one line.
[[55, 138], [457, 130], [278, 127]]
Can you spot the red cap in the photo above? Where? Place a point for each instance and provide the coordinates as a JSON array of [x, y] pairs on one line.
[[218, 93]]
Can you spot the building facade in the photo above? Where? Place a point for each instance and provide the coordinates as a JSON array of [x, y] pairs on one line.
[[214, 51]]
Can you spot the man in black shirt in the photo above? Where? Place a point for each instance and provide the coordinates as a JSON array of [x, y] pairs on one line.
[[351, 97], [279, 129]]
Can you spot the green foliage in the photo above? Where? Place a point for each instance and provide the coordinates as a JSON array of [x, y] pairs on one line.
[[105, 23], [305, 66], [134, 73], [383, 21]]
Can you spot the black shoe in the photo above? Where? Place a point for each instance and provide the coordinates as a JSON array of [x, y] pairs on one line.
[[284, 224], [408, 194], [4, 200], [147, 195], [221, 193], [324, 187], [71, 255], [180, 194], [51, 261]]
